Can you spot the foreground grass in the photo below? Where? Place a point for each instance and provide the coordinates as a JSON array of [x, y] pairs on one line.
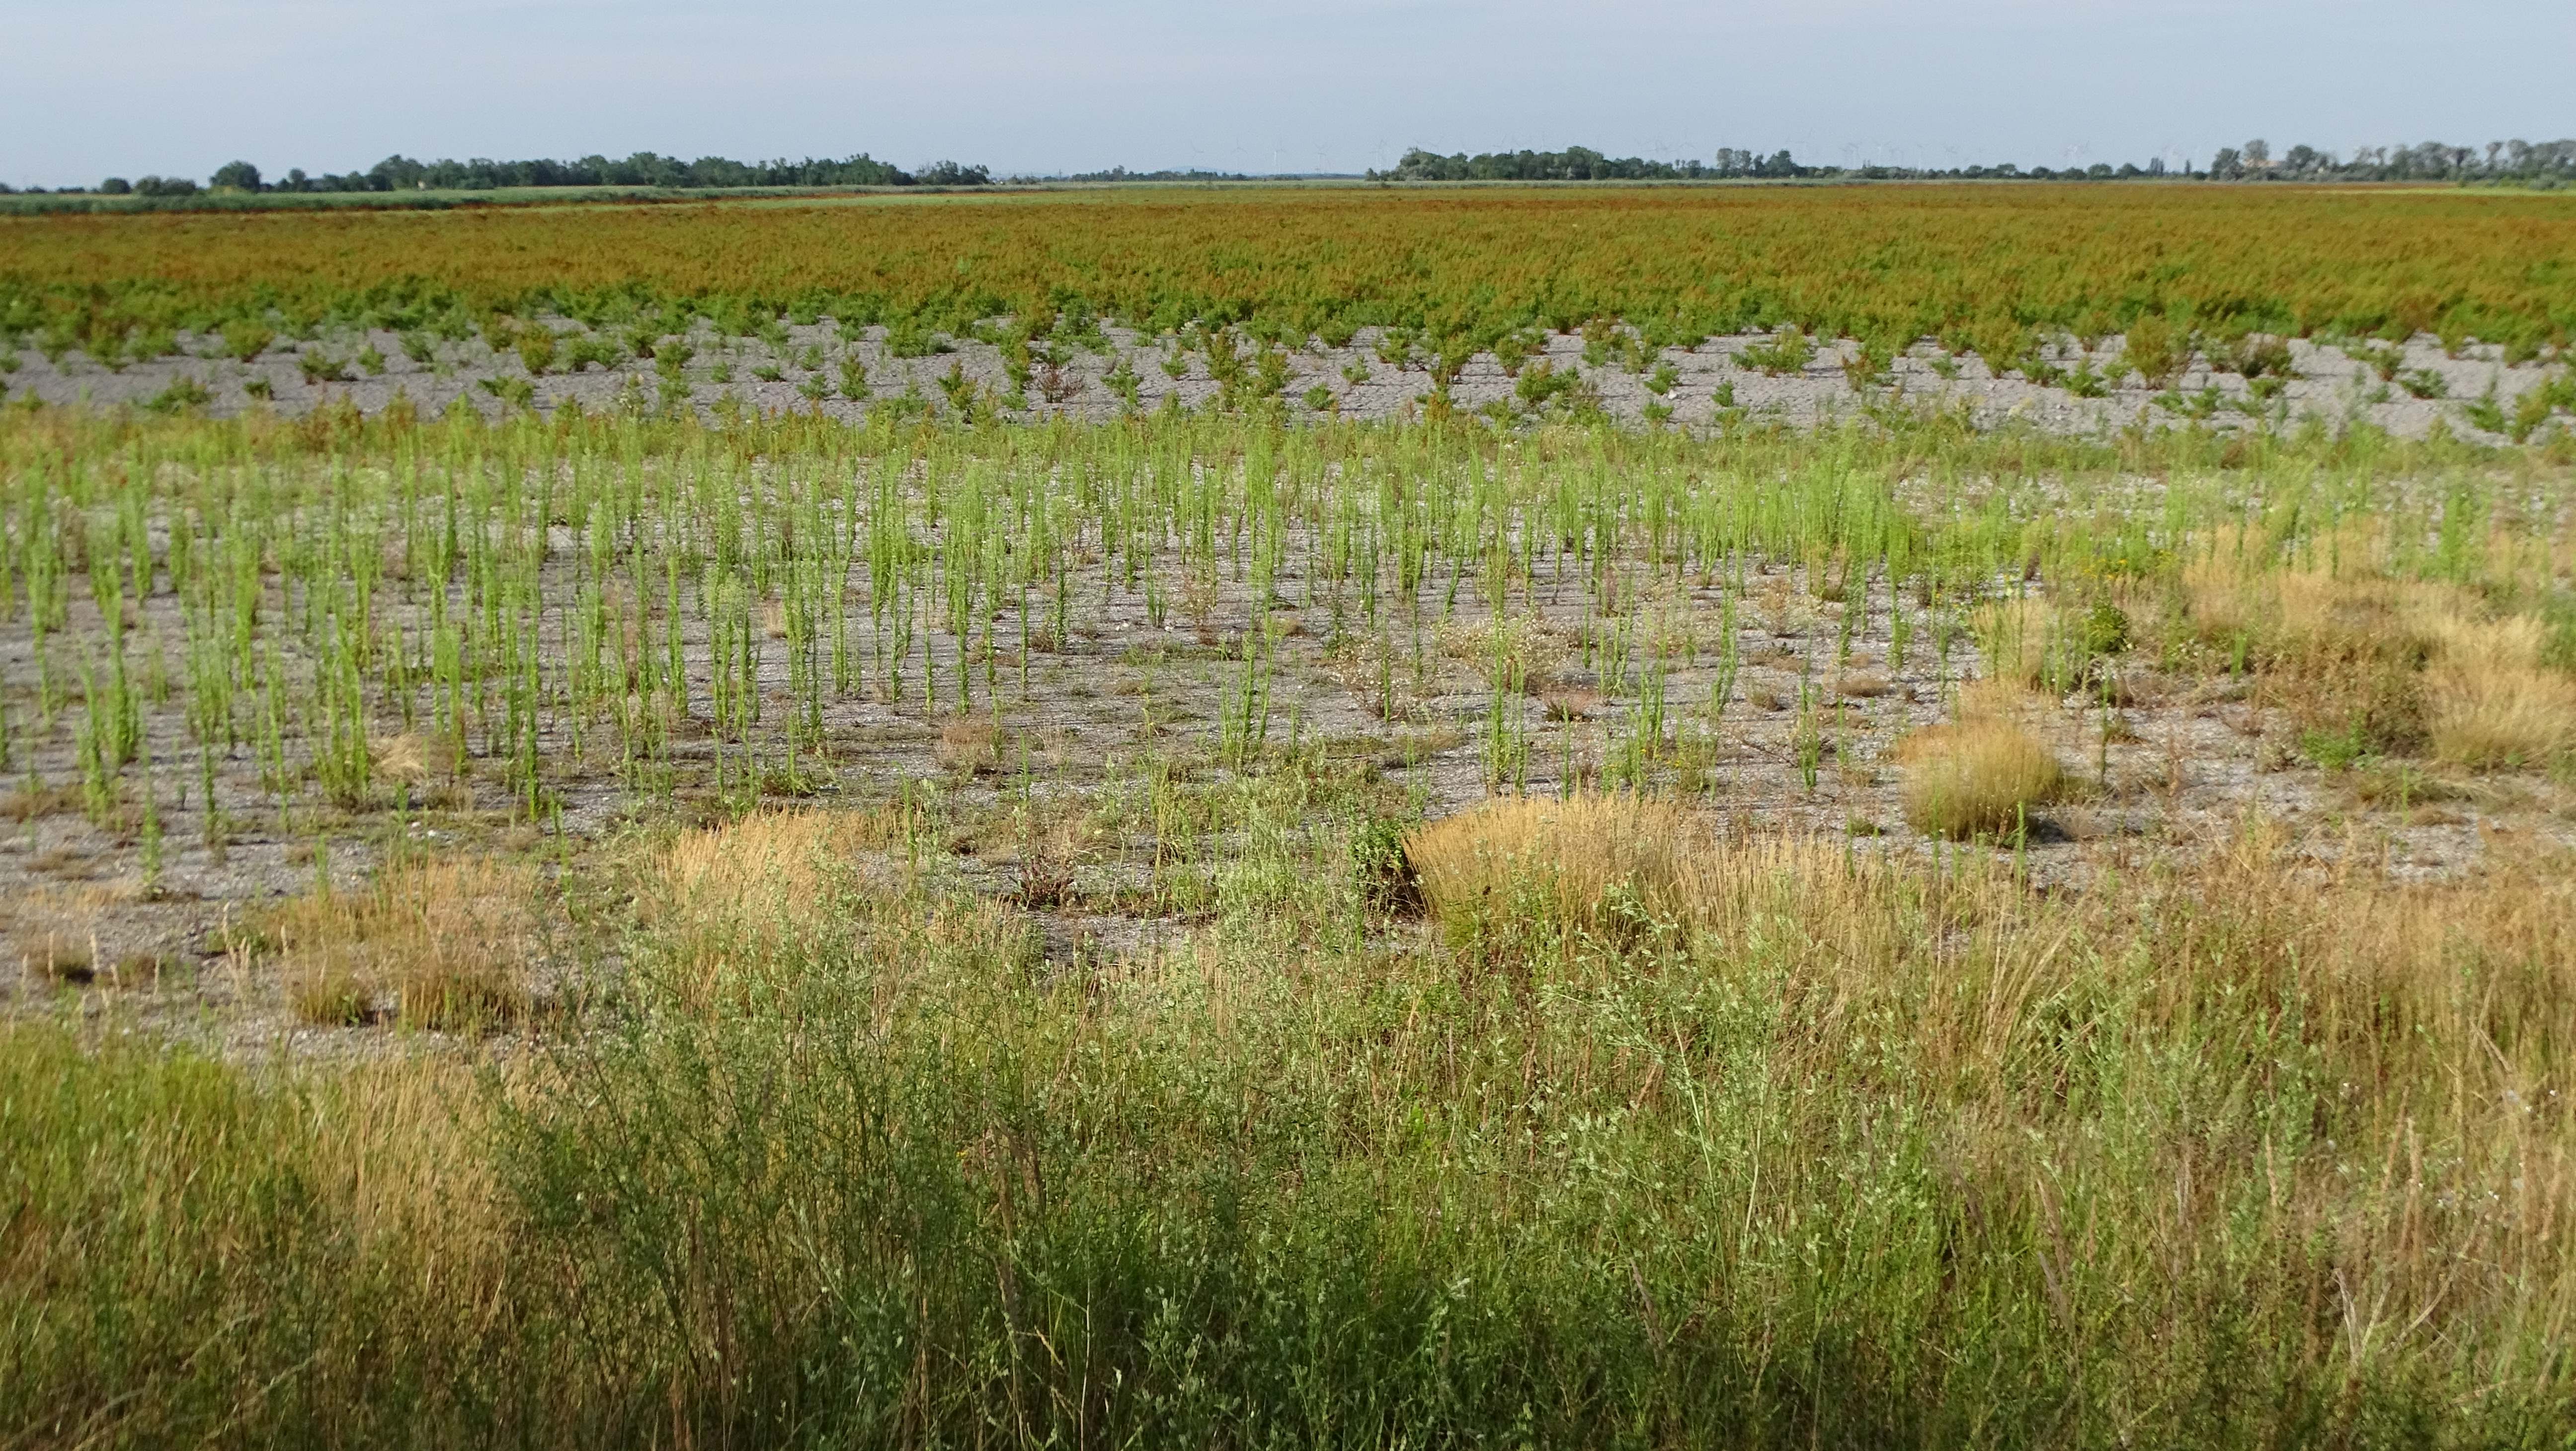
[[1718, 1143], [1634, 1136]]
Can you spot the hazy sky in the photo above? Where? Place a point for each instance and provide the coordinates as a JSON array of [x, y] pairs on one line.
[[90, 88]]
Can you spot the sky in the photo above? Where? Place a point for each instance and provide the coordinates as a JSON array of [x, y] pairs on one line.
[[178, 87]]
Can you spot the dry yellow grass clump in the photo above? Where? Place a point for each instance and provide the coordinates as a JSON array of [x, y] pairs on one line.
[[2407, 663], [53, 931], [1516, 866], [1981, 774], [2490, 702], [441, 945], [967, 746], [758, 867], [729, 899], [743, 912]]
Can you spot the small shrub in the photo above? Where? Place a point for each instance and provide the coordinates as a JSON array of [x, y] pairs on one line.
[[1868, 365], [1788, 351], [2262, 357], [2153, 352], [1381, 873], [1542, 381], [1057, 384], [183, 394], [2106, 629], [513, 392], [245, 340], [912, 338], [589, 349], [536, 349]]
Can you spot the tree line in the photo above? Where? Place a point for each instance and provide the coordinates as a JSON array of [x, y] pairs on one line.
[[2547, 163], [1581, 163], [2543, 164], [644, 168]]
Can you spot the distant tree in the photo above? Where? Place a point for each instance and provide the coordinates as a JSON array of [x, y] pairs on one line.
[[949, 173], [115, 186], [396, 173], [236, 176], [165, 186], [2227, 165], [295, 180], [1575, 163]]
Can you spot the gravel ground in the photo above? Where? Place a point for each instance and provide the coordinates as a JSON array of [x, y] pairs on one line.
[[1370, 378], [2183, 764]]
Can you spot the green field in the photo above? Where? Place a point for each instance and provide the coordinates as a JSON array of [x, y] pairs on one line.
[[641, 927]]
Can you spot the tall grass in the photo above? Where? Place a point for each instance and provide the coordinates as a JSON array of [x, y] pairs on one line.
[[1840, 1151], [1649, 1135], [202, 1251]]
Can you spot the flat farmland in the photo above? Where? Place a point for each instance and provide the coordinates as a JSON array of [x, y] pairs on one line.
[[1878, 815]]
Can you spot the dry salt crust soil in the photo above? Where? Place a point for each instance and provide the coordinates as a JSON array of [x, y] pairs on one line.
[[1085, 722], [811, 367]]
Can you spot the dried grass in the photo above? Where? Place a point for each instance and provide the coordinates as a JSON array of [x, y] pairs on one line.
[[442, 945], [2319, 613], [2491, 703], [411, 758], [404, 1150], [754, 907], [1514, 867], [967, 746], [1978, 776], [24, 804], [1571, 705], [763, 864], [53, 930], [2401, 664], [723, 900]]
